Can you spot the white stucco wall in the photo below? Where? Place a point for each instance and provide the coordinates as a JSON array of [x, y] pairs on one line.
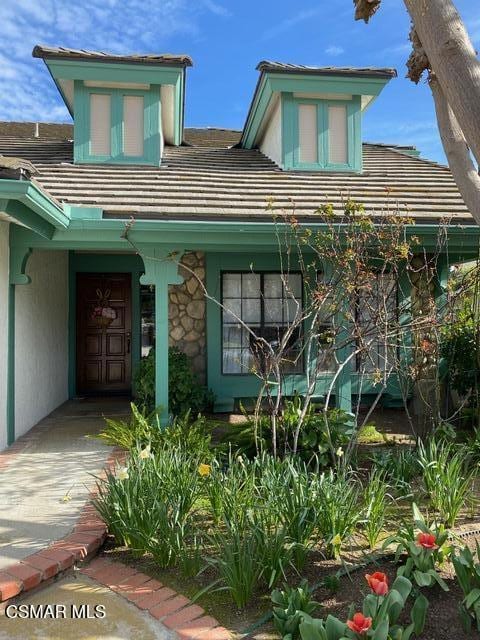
[[3, 331], [41, 339], [271, 144]]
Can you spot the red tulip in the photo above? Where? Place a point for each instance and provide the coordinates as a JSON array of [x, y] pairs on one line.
[[378, 583], [359, 624], [427, 541]]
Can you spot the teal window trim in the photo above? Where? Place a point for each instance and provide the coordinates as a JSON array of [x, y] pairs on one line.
[[151, 126], [290, 134]]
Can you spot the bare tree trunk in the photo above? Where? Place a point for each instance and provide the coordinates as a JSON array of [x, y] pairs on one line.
[[454, 61], [456, 150]]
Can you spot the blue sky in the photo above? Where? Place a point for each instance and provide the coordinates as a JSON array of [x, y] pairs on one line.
[[226, 39]]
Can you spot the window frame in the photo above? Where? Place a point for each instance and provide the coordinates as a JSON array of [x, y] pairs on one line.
[[323, 135], [82, 122], [261, 273]]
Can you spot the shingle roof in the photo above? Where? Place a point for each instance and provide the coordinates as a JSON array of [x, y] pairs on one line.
[[43, 51], [207, 182], [285, 67]]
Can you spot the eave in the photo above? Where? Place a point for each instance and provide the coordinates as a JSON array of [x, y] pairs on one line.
[[24, 201]]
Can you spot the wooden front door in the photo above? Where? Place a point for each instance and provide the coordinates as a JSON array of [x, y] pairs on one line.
[[104, 339]]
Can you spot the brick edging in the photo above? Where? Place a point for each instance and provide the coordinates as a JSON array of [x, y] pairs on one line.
[[82, 543], [187, 620]]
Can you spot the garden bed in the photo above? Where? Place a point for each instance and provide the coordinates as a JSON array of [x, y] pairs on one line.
[[443, 622]]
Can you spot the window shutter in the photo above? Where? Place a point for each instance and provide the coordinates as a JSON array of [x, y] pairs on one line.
[[337, 134], [133, 126], [100, 125], [307, 133]]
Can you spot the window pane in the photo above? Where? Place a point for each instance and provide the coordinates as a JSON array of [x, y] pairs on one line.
[[251, 310], [307, 133], [235, 307], [250, 285], [292, 309], [133, 125], [232, 285], [273, 285], [274, 311], [294, 285], [337, 134], [232, 336], [232, 361], [100, 125]]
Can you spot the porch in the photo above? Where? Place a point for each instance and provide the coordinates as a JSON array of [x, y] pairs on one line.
[[164, 306]]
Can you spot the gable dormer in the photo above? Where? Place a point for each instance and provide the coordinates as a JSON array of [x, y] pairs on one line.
[[124, 108], [310, 118]]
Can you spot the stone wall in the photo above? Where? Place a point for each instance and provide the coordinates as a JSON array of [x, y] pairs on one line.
[[186, 311]]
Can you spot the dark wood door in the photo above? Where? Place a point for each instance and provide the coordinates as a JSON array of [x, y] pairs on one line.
[[104, 339]]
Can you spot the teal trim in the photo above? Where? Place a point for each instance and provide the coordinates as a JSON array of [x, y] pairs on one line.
[[291, 142], [103, 263], [114, 72], [161, 269], [152, 142], [289, 131], [11, 366], [83, 213], [270, 83], [31, 206], [106, 235], [17, 266]]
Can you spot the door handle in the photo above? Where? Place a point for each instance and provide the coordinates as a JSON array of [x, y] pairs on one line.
[[128, 343]]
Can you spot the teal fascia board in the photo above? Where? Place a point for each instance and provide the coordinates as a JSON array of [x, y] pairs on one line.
[[91, 234], [302, 83], [26, 198], [113, 72], [83, 213]]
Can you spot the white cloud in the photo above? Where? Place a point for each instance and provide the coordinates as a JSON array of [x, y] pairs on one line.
[[128, 26], [334, 50]]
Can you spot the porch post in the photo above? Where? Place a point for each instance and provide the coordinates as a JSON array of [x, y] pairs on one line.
[[18, 262], [161, 269], [343, 385]]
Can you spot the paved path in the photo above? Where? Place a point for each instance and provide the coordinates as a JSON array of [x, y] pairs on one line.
[[45, 485], [122, 619]]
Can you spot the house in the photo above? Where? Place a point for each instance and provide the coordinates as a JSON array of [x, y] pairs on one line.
[[81, 302]]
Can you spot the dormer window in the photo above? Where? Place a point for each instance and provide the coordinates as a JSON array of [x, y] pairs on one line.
[[323, 134], [125, 107], [119, 129], [310, 118]]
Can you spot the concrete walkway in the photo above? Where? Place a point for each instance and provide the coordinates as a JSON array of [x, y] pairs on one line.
[[46, 484], [78, 595]]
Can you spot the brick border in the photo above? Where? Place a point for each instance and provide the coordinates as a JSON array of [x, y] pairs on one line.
[[187, 620], [81, 544]]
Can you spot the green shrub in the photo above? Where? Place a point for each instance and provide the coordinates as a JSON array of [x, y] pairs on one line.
[[459, 348], [321, 433], [185, 433], [185, 391]]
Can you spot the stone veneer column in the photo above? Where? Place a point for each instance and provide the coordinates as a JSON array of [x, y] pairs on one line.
[[186, 312]]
